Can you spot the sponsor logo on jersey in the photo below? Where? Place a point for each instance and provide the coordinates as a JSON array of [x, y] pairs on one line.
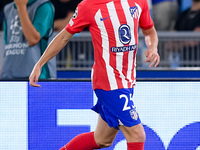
[[124, 34], [102, 19], [124, 48], [134, 12]]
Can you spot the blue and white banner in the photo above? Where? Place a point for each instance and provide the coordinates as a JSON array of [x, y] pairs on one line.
[[47, 118]]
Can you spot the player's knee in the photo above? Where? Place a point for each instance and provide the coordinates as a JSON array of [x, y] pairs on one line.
[[105, 143], [135, 134], [141, 136], [139, 133], [138, 136]]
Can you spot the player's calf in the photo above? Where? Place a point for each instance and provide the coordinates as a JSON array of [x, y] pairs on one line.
[[84, 141]]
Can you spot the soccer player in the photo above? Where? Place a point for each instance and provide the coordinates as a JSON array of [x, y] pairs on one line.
[[114, 28]]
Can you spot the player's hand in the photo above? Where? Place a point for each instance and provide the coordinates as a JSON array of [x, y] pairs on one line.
[[21, 2], [153, 57], [33, 79]]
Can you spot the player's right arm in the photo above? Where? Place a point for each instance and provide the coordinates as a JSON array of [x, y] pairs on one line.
[[151, 40], [52, 50]]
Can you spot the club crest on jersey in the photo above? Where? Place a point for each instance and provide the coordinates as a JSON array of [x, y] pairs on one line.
[[134, 12]]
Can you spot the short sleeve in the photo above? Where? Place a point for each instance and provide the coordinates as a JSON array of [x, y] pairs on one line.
[[44, 18], [80, 19], [145, 21]]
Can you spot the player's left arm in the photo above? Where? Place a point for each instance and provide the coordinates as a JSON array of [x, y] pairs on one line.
[[151, 40], [52, 50]]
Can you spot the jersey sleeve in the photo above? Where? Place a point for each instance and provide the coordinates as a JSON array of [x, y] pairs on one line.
[[80, 19], [145, 21]]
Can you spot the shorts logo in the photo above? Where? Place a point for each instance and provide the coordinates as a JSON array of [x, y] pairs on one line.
[[133, 114], [124, 34]]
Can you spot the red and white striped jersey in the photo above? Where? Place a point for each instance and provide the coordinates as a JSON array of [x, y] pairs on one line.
[[114, 26]]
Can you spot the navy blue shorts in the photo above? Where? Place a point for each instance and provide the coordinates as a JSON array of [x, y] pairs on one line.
[[116, 107]]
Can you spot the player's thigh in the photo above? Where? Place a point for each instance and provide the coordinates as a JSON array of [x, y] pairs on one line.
[[133, 134], [104, 135]]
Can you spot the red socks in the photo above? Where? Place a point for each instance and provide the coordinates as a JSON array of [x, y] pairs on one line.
[[84, 141], [135, 146]]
